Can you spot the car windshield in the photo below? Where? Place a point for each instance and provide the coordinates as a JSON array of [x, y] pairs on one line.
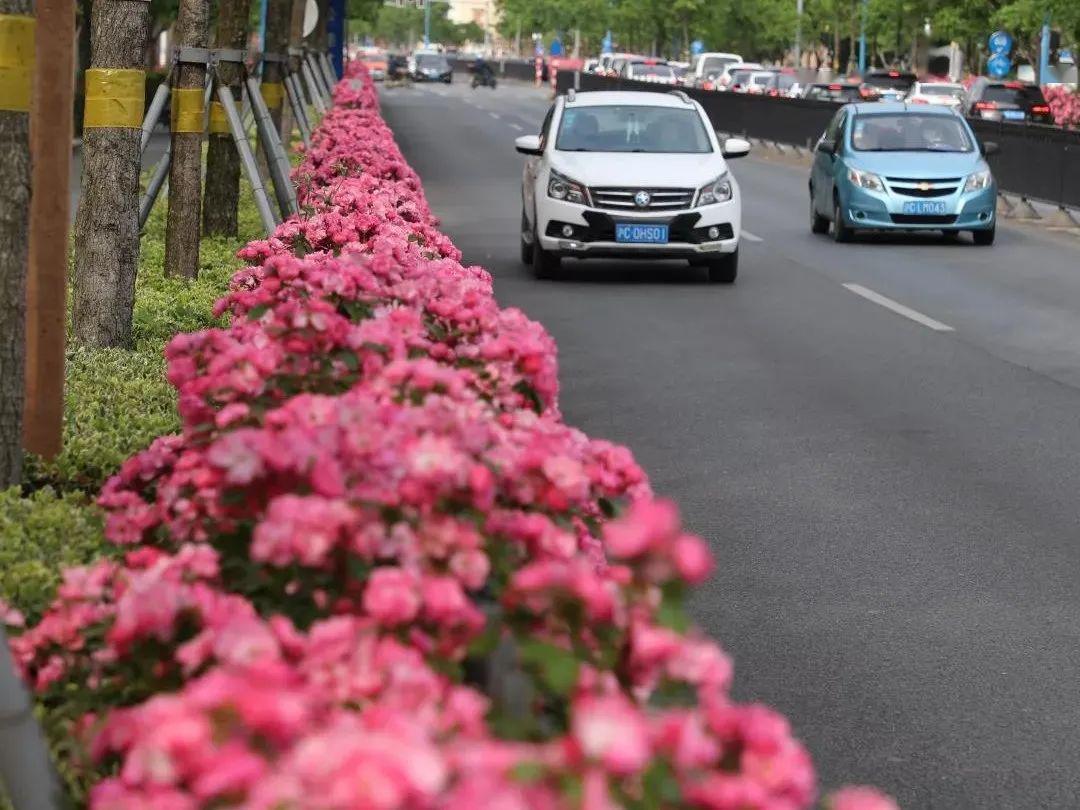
[[714, 65], [908, 132], [890, 81], [632, 128], [651, 70], [761, 79], [740, 76], [427, 60], [953, 90], [1004, 94], [834, 92]]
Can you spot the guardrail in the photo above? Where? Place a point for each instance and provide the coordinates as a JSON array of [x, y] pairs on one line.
[[1036, 162]]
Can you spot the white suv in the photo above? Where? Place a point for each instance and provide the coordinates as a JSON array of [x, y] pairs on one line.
[[630, 175]]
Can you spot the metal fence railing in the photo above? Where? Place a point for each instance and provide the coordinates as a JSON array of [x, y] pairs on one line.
[[1035, 162]]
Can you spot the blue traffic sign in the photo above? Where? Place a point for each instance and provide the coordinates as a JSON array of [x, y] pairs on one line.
[[1001, 42], [696, 47], [605, 43], [556, 47], [999, 65]]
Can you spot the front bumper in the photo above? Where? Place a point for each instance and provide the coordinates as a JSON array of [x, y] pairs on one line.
[[593, 231], [884, 210]]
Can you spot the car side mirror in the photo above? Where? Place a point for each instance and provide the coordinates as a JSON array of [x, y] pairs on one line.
[[989, 148], [735, 148], [528, 145], [827, 145]]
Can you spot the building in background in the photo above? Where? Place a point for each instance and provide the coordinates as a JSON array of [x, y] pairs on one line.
[[484, 13]]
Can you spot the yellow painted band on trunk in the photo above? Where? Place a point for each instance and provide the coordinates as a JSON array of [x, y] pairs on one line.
[[188, 114], [272, 93], [219, 122], [115, 98], [16, 61]]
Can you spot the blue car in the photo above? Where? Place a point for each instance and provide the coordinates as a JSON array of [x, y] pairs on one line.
[[885, 166]]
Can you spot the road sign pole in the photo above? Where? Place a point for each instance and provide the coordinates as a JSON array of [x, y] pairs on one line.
[[427, 23], [1044, 53], [862, 39]]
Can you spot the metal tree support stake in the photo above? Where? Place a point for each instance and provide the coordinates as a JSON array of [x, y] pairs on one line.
[[296, 101], [328, 71], [317, 73], [247, 159], [312, 87], [157, 106], [26, 770], [276, 159]]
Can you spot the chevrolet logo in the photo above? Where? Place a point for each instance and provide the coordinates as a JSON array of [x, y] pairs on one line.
[[924, 186]]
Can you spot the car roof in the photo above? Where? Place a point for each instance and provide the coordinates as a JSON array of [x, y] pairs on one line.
[[894, 107], [607, 98]]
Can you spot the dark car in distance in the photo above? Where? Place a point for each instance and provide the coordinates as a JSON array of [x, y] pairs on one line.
[[842, 92], [888, 85], [1019, 102], [432, 67]]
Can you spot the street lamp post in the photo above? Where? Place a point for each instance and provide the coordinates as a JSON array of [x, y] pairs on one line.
[[427, 23], [862, 39], [798, 32]]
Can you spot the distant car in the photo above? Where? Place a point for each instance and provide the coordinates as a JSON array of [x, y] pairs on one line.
[[1007, 101], [431, 67], [739, 80], [842, 92], [945, 94], [649, 70], [630, 175], [707, 68], [889, 166], [759, 82], [888, 85], [615, 66], [681, 71], [725, 80], [590, 66], [376, 63]]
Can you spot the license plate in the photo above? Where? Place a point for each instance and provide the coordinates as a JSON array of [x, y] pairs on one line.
[[924, 207], [641, 234], [1013, 115]]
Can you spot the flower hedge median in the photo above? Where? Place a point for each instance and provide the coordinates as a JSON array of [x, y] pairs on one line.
[[376, 570]]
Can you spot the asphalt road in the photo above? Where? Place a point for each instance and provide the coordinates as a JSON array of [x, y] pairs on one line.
[[892, 502], [159, 142]]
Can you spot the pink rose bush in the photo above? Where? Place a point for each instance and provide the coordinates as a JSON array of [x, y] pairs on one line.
[[1064, 104], [376, 569]]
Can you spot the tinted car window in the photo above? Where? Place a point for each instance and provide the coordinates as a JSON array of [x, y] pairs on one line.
[[1020, 96], [632, 128], [886, 81], [740, 76], [430, 61], [888, 132], [714, 65], [643, 69], [785, 81]]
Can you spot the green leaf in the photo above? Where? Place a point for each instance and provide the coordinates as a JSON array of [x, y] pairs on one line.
[[557, 668]]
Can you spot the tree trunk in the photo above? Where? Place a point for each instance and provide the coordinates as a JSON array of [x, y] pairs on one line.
[[14, 250], [185, 170], [296, 40], [222, 159], [107, 226], [278, 18]]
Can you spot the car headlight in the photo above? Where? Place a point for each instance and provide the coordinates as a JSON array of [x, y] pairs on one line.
[[978, 181], [867, 180], [717, 191], [561, 187]]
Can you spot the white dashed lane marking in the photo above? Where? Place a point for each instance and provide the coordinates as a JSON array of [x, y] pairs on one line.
[[898, 308]]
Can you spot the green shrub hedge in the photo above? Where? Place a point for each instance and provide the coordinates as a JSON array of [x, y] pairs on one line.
[[39, 536]]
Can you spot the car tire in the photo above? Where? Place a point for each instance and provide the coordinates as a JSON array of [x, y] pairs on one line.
[[840, 231], [526, 245], [545, 264], [723, 270], [818, 223], [984, 238]]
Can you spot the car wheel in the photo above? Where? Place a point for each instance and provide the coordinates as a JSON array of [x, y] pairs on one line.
[[984, 238], [725, 269], [840, 231], [818, 223], [545, 264], [526, 245]]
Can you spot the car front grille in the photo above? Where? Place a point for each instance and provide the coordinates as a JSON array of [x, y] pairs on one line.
[[661, 199], [924, 219], [918, 187]]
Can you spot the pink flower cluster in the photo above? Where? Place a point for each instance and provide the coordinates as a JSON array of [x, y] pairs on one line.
[[376, 569], [1064, 104]]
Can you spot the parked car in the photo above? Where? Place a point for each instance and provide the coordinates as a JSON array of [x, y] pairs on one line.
[[427, 66], [375, 61], [889, 166], [649, 70], [843, 92], [611, 63], [946, 94], [707, 68], [760, 81], [1007, 101], [631, 175], [888, 85], [590, 66]]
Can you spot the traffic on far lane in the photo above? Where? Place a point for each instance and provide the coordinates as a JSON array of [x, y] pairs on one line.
[[630, 175]]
